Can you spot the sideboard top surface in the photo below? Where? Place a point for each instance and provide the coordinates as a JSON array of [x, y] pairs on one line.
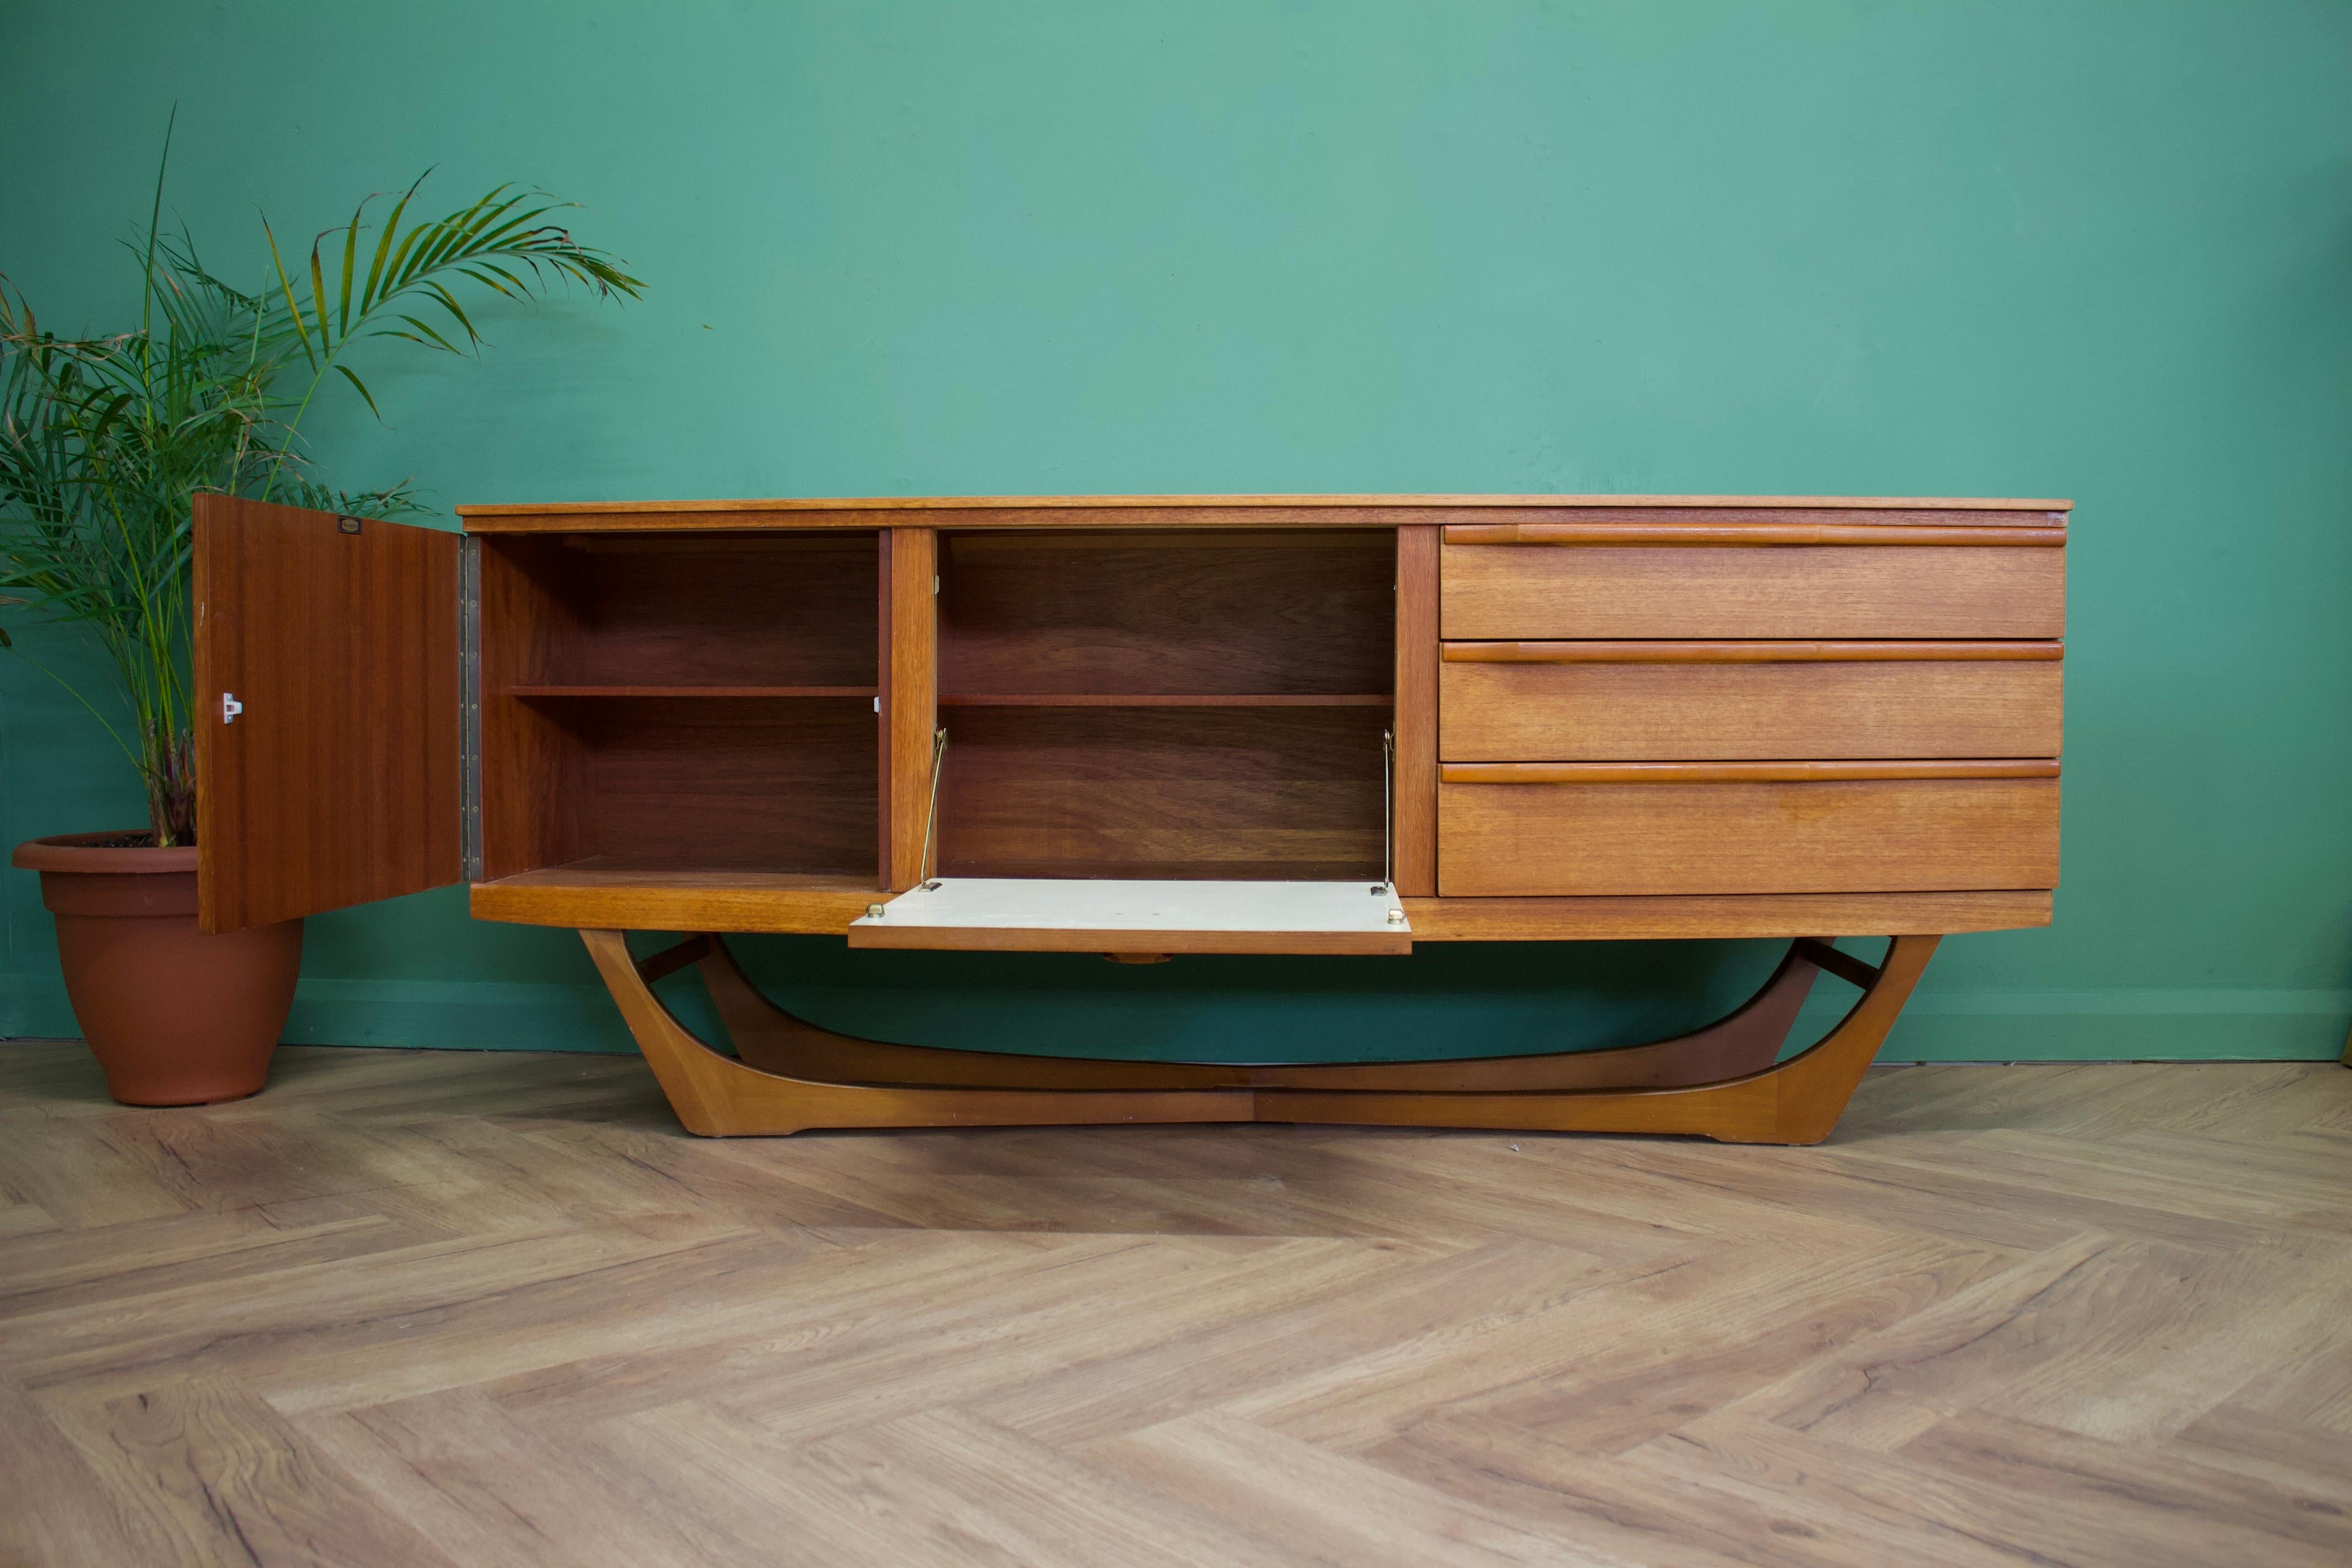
[[1218, 511]]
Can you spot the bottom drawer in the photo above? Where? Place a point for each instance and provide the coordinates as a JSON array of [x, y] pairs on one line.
[[1545, 829]]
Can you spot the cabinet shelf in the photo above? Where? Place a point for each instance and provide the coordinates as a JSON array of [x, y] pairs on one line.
[[553, 691], [1165, 700]]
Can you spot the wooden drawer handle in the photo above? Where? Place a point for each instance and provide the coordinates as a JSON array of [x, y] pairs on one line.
[[1599, 651], [1743, 773], [1751, 534]]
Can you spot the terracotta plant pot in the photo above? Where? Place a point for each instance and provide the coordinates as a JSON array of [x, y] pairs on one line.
[[174, 1016]]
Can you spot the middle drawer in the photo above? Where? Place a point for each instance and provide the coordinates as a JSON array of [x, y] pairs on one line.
[[1680, 701]]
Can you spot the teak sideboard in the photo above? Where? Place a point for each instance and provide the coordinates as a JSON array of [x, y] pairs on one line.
[[1153, 725]]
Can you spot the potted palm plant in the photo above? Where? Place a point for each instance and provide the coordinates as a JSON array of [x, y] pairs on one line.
[[104, 442]]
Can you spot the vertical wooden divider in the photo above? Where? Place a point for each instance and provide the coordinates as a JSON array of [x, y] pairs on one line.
[[1415, 811], [909, 668]]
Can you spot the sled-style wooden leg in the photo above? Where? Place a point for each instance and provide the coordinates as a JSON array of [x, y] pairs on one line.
[[766, 1036], [720, 1096], [1723, 1081], [1797, 1101]]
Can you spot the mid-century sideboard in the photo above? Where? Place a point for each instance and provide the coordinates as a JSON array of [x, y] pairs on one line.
[[1152, 725]]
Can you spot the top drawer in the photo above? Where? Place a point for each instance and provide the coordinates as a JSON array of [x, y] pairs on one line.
[[1746, 579]]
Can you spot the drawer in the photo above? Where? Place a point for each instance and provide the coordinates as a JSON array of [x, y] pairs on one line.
[[1752, 580], [1536, 829], [1628, 702]]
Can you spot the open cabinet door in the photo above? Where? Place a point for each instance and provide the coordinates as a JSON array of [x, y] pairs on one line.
[[327, 710]]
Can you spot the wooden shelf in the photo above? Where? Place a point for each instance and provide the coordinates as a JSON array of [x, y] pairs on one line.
[[550, 691], [1165, 700], [643, 892], [1089, 871]]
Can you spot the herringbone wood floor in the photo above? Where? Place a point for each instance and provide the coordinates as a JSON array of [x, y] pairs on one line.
[[431, 1308]]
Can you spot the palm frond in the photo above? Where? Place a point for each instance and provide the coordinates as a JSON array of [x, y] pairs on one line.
[[104, 441], [325, 306]]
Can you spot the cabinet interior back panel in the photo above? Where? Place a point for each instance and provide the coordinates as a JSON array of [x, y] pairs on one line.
[[700, 610], [1168, 613]]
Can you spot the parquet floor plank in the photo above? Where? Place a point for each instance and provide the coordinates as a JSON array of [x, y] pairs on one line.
[[223, 1479], [450, 1308], [1328, 1506], [1624, 1505], [976, 1348], [1894, 1509], [2287, 1454]]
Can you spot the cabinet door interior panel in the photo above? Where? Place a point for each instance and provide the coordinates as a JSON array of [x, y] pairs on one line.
[[724, 609], [1533, 591], [1870, 835], [1621, 709], [338, 782], [1159, 613], [1271, 794]]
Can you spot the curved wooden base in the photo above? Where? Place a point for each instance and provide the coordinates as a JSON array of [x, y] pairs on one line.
[[1724, 1081]]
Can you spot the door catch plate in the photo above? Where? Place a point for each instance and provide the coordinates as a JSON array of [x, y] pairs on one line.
[[230, 707]]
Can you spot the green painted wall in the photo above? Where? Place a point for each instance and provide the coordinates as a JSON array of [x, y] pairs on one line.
[[2042, 248]]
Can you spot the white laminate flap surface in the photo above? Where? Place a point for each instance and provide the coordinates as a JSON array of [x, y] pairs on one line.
[[1082, 914]]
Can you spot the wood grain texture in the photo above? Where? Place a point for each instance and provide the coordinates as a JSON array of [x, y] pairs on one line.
[[1172, 699], [1155, 613], [1663, 650], [911, 565], [1413, 820], [338, 785], [1797, 1101], [755, 785], [1712, 533], [1125, 605], [1283, 793], [1825, 771], [1655, 917], [536, 793], [718, 1097], [544, 690], [491, 1308], [610, 891], [1508, 592], [1663, 1090], [1211, 511], [1623, 710], [728, 609], [614, 893], [1857, 836], [634, 700], [1748, 1039]]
